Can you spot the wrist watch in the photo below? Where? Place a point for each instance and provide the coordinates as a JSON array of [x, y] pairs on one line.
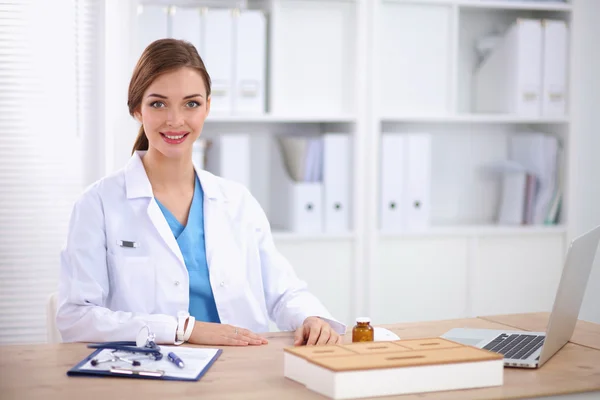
[[182, 316]]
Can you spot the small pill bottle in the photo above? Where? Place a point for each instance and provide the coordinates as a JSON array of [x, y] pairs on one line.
[[362, 331]]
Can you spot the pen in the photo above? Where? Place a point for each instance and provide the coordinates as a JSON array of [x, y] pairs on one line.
[[175, 360], [140, 372]]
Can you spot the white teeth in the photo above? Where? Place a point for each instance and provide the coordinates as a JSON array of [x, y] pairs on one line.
[[174, 137]]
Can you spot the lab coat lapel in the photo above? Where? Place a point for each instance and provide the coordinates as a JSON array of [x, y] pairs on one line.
[[215, 221], [138, 186], [162, 226]]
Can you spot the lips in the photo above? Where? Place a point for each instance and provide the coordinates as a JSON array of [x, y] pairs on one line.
[[174, 137]]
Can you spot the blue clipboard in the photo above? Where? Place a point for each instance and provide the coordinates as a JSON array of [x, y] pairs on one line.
[[162, 370]]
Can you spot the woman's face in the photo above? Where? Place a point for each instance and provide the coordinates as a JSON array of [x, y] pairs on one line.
[[173, 111]]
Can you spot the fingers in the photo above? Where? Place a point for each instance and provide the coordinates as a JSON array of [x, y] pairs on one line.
[[314, 333], [299, 336], [230, 341], [250, 337], [324, 336]]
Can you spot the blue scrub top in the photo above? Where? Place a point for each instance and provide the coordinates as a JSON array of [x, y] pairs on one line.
[[190, 239]]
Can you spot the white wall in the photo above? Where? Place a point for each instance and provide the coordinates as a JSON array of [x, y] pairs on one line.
[[585, 113]]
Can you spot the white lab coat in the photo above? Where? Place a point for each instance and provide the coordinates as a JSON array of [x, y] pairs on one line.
[[109, 292]]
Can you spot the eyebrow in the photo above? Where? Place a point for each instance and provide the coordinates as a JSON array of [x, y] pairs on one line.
[[160, 96]]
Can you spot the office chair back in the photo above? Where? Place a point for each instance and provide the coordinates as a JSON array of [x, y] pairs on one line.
[[52, 332]]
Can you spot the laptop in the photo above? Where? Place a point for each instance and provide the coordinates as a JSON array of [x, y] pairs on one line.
[[524, 349]]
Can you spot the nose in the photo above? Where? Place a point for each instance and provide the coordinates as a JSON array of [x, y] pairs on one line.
[[174, 117]]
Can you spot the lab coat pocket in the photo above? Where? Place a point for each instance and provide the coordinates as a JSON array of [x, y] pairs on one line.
[[133, 282]]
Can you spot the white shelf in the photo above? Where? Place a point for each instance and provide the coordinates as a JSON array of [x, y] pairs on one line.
[[478, 230], [494, 4], [279, 236], [264, 118], [479, 118], [515, 5]]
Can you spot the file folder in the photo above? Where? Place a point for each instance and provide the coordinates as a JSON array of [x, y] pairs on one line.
[[229, 157], [537, 153], [555, 52], [152, 24], [512, 201], [392, 183], [336, 182], [418, 181], [199, 149], [186, 24], [250, 62], [296, 206], [509, 79], [218, 58]]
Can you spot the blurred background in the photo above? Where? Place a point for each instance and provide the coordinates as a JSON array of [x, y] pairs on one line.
[[417, 159]]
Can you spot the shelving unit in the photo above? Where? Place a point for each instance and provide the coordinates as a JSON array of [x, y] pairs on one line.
[[456, 267], [476, 118], [356, 66]]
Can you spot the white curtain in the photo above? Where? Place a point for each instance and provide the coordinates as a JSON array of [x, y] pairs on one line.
[[47, 70]]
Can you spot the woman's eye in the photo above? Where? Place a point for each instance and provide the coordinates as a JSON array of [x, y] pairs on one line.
[[192, 104], [157, 104]]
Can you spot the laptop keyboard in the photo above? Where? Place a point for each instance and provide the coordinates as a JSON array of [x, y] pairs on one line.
[[516, 346]]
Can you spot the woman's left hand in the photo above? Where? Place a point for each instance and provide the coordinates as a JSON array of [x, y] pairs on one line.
[[315, 331]]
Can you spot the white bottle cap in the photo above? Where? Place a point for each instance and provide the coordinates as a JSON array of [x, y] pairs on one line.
[[363, 320]]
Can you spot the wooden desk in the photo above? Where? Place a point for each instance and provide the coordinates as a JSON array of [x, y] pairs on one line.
[[39, 371]]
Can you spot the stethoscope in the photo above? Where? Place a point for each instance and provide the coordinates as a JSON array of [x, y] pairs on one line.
[[145, 344]]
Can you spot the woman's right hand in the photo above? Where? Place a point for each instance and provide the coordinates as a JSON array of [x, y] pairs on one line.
[[210, 333]]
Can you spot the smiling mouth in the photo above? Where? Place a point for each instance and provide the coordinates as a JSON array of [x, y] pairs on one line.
[[174, 137]]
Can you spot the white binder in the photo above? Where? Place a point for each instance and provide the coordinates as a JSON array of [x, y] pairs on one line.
[[336, 182], [229, 157], [417, 204], [512, 201], [218, 58], [509, 79], [152, 24], [199, 149], [554, 64], [250, 62], [186, 24], [392, 183], [294, 206]]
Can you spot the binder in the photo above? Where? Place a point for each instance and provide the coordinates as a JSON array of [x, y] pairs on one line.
[[554, 63], [186, 24], [250, 62], [537, 153], [197, 362], [218, 58], [512, 202], [229, 157], [296, 206], [418, 181], [152, 24], [392, 187], [509, 79], [199, 149], [336, 182]]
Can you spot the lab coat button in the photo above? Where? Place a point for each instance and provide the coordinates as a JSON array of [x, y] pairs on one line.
[[176, 283], [222, 283]]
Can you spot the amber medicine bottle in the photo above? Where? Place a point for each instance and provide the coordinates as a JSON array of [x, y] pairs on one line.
[[362, 331]]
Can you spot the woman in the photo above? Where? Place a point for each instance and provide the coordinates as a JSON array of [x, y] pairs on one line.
[[180, 250]]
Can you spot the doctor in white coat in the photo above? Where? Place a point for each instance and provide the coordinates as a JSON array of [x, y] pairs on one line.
[[165, 245]]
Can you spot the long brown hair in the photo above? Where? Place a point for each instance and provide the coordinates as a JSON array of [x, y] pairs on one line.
[[161, 56]]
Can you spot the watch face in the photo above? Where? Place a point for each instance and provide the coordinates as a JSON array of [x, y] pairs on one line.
[[142, 337]]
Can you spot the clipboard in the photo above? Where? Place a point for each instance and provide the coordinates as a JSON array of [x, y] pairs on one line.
[[197, 362]]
